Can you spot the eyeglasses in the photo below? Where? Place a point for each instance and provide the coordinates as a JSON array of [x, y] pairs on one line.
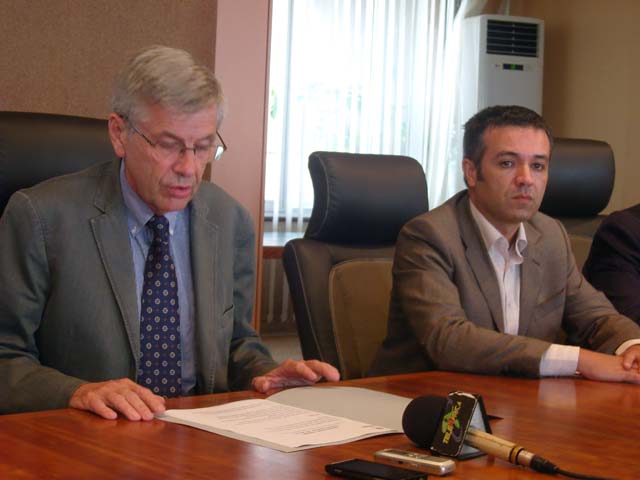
[[172, 150]]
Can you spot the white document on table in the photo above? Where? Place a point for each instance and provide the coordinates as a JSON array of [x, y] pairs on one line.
[[301, 418]]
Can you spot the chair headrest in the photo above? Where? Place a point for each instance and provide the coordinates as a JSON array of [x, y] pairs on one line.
[[364, 198], [581, 175], [38, 146]]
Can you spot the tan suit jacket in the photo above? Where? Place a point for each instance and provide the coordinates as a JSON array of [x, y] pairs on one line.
[[68, 306], [445, 310]]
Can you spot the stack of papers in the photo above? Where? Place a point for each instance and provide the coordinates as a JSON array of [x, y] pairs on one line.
[[301, 418]]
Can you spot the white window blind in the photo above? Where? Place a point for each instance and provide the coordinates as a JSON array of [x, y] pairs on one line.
[[362, 76]]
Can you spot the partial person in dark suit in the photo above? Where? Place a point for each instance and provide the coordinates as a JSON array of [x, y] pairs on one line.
[[487, 284], [613, 264], [81, 319]]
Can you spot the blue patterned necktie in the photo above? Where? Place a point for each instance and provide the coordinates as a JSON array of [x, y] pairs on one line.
[[160, 360]]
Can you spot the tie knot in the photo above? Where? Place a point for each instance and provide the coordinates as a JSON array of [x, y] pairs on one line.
[[160, 226]]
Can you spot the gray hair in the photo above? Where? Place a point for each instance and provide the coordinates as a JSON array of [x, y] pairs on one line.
[[169, 77]]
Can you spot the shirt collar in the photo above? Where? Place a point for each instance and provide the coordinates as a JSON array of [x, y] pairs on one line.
[[491, 236], [138, 212]]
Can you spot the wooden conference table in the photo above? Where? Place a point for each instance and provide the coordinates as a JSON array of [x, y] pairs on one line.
[[583, 426]]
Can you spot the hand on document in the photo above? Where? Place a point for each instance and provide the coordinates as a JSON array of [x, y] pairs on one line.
[[292, 373]]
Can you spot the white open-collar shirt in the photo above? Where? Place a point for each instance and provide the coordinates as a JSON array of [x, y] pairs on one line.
[[558, 360]]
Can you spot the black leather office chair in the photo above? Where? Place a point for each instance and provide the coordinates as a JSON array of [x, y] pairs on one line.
[[339, 274], [581, 176], [38, 146]]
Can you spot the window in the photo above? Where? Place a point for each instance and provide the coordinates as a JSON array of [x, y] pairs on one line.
[[363, 76]]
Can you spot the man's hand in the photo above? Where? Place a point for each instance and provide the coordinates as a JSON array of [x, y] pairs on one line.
[[610, 368], [123, 396], [631, 358], [295, 373]]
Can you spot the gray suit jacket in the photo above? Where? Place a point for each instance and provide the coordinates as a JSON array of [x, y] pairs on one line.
[[445, 310], [68, 306]]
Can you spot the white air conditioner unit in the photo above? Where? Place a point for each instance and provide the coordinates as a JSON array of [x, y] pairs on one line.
[[502, 62]]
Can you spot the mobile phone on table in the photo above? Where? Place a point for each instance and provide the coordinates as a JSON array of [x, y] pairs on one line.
[[419, 461], [365, 470]]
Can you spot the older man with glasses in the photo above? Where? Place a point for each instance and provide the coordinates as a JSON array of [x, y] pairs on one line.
[[133, 280]]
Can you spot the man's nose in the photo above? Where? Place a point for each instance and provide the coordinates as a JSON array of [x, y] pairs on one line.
[[523, 175], [186, 164]]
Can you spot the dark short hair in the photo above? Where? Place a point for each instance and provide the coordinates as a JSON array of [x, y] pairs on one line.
[[498, 116]]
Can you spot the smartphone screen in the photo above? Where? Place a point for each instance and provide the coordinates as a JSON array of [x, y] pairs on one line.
[[366, 470]]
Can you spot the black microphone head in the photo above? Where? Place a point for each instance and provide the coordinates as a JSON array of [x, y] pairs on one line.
[[421, 418]]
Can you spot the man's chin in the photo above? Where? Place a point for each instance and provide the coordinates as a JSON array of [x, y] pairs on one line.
[[173, 205], [175, 199], [524, 215], [524, 209]]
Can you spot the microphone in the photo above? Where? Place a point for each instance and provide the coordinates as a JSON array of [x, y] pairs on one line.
[[424, 415]]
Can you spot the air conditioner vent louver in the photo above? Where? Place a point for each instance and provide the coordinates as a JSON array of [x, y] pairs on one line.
[[512, 38]]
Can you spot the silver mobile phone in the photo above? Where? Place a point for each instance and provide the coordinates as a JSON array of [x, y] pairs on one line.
[[419, 461]]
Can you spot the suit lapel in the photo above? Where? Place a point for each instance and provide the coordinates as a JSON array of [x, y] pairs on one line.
[[530, 278], [480, 262], [207, 314], [112, 238]]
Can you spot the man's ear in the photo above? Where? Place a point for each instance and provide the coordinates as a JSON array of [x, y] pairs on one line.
[[470, 172], [117, 134]]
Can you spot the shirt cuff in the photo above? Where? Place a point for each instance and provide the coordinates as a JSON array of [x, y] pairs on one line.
[[620, 350], [560, 361]]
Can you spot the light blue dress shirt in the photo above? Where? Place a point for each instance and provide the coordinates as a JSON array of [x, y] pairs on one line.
[[140, 237]]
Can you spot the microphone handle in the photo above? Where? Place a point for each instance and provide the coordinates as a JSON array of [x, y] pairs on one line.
[[498, 447], [509, 451]]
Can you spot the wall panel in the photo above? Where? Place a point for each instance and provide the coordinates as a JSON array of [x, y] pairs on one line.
[[590, 78], [60, 56]]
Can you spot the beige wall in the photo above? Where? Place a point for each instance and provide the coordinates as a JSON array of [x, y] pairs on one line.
[[60, 56], [591, 72], [242, 47]]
